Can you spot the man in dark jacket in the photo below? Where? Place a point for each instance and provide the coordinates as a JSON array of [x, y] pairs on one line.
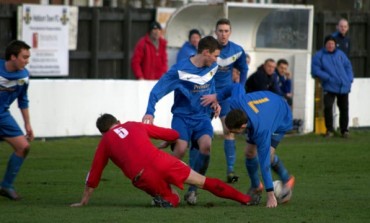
[[334, 69], [264, 79], [343, 42]]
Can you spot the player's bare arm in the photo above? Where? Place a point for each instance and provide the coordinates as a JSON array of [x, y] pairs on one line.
[[85, 198]]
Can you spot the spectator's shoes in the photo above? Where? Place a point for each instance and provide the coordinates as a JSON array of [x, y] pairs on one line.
[[232, 178], [158, 201], [329, 134], [345, 134], [9, 193], [256, 194]]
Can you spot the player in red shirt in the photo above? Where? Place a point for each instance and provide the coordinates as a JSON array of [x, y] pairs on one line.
[[152, 170]]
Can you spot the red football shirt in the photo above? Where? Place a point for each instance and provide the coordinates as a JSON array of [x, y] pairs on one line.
[[128, 145]]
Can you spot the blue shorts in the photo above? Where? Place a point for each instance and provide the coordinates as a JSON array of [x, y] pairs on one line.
[[225, 107], [275, 139], [8, 126], [192, 129]]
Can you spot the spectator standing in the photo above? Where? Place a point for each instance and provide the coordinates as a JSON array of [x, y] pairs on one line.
[[149, 60], [189, 48], [334, 70], [341, 36]]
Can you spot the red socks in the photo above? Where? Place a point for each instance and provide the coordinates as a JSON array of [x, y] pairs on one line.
[[221, 189]]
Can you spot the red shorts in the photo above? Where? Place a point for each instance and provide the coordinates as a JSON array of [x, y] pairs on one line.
[[163, 171]]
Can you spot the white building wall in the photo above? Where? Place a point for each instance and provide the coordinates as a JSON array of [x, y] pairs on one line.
[[62, 108]]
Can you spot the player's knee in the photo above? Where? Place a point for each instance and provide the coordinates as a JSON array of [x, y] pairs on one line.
[[205, 149], [250, 154], [23, 151]]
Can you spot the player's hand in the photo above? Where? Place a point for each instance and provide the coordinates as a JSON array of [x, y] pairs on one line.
[[208, 99], [271, 200], [216, 109], [148, 119], [29, 132], [288, 75]]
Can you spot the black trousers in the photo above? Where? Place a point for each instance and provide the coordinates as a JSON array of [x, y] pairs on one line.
[[342, 102]]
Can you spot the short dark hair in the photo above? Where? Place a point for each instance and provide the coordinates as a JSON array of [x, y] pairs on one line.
[[329, 38], [208, 43], [235, 119], [14, 48], [223, 21], [282, 61], [269, 60], [194, 31], [105, 122]]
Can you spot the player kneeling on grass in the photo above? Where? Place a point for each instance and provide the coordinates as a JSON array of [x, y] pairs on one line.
[[152, 170]]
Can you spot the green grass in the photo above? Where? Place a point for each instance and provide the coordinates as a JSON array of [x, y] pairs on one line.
[[332, 185]]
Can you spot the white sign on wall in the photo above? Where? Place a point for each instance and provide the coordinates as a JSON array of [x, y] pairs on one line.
[[46, 30]]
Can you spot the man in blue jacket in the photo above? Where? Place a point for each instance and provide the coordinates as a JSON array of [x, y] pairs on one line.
[[334, 69], [189, 48]]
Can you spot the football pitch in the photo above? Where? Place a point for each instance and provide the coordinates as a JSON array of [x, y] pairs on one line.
[[332, 185]]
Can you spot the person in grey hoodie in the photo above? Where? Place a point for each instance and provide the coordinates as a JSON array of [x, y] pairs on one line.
[[334, 70]]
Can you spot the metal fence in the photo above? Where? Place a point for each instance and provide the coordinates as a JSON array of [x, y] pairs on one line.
[[107, 36]]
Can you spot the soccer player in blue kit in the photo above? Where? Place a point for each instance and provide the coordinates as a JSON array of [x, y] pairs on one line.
[[190, 79], [231, 56], [266, 117], [14, 79]]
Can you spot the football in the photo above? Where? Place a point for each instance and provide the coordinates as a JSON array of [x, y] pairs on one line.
[[282, 194]]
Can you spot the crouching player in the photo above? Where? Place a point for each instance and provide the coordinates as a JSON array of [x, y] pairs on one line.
[[266, 117], [150, 169], [14, 80]]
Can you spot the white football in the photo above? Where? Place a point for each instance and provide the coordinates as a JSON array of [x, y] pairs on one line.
[[282, 194]]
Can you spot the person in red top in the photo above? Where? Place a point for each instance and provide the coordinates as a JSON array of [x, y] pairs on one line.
[[149, 60], [150, 169]]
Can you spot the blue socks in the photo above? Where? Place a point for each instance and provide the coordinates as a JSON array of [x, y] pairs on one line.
[[200, 166], [229, 148], [193, 154], [14, 164], [252, 168], [279, 168]]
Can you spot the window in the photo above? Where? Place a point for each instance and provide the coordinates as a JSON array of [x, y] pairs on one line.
[[284, 29]]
